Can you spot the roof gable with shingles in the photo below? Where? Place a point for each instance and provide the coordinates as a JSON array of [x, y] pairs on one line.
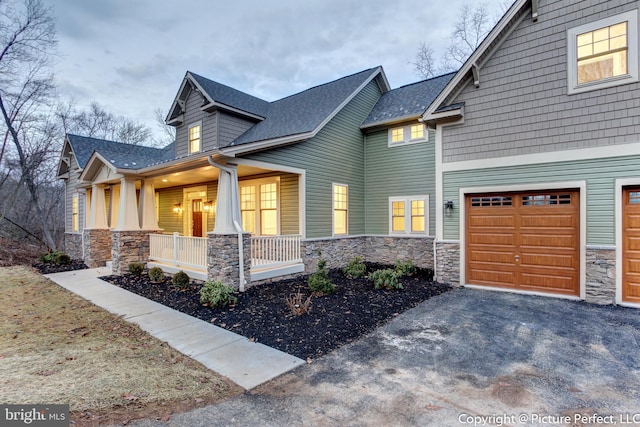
[[226, 95], [406, 102]]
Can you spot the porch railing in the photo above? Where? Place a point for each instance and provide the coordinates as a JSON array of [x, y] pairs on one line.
[[273, 251], [179, 250]]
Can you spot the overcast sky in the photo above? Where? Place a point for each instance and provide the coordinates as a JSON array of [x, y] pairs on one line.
[[130, 55]]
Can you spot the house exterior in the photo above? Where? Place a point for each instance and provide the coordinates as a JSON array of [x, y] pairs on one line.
[[252, 190], [537, 147]]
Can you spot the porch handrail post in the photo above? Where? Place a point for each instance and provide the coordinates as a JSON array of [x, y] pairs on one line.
[[175, 247]]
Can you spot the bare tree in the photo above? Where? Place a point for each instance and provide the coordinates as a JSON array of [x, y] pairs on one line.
[[425, 65], [168, 133], [27, 40], [96, 122]]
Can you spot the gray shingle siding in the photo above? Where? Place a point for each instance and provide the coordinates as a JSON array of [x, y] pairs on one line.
[[230, 127], [70, 190], [192, 115], [522, 105]]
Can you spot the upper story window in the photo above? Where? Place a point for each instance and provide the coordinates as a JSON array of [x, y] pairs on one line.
[[195, 140], [410, 134], [603, 53]]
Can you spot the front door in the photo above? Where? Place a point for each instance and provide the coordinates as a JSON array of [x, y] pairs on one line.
[[196, 218]]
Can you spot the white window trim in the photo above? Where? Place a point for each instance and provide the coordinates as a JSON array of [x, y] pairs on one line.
[[333, 210], [407, 215], [192, 125], [632, 53], [257, 183], [407, 135]]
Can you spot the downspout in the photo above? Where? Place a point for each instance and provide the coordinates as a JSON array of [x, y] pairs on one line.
[[236, 225]]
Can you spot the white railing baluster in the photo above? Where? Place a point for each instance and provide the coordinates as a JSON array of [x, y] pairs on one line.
[[274, 251]]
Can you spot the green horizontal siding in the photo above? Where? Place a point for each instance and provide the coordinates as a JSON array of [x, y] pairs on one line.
[[289, 204], [407, 170], [172, 222], [334, 155], [599, 174]]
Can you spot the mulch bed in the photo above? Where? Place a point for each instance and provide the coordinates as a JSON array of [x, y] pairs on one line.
[[262, 314], [48, 268]]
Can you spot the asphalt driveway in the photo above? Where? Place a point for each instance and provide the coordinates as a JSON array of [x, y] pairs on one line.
[[459, 359]]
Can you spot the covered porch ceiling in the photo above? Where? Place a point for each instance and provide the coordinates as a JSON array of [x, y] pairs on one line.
[[196, 175]]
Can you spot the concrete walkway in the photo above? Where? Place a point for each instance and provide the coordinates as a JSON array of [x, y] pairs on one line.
[[246, 363]]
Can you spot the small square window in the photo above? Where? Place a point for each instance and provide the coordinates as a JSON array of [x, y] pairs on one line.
[[397, 135], [409, 134], [417, 132]]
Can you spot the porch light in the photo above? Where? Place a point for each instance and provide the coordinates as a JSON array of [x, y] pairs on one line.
[[448, 206], [177, 207], [208, 206]]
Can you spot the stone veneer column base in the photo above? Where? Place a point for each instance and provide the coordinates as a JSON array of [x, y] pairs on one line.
[[97, 246], [73, 245], [223, 261], [448, 263], [601, 275], [127, 247]]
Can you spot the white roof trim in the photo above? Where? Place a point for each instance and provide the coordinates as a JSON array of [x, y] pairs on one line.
[[473, 59], [96, 157]]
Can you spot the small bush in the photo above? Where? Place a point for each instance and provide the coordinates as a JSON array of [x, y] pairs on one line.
[[355, 269], [298, 304], [386, 279], [136, 268], [156, 274], [217, 294], [405, 268], [50, 257], [319, 281], [62, 259], [181, 280]]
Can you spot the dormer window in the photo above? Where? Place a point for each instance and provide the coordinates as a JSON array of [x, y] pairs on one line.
[[195, 140], [410, 134]]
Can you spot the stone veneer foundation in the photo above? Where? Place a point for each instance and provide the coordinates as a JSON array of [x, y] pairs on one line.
[[73, 245], [97, 246], [448, 262], [223, 261], [128, 247]]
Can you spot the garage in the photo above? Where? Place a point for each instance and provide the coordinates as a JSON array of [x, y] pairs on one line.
[[527, 241], [631, 245]]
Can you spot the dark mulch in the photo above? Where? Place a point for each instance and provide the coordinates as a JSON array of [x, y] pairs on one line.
[[48, 268], [261, 314]]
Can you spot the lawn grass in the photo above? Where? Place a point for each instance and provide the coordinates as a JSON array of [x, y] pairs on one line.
[[56, 347]]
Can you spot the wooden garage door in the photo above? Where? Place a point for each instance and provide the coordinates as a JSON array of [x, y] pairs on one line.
[[631, 245], [527, 241]]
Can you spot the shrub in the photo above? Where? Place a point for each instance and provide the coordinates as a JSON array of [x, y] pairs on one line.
[[355, 269], [136, 268], [319, 281], [297, 304], [156, 274], [49, 257], [181, 280], [62, 259], [386, 279], [217, 294], [405, 268]]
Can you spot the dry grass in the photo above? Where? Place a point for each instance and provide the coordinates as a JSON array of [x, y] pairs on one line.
[[58, 348]]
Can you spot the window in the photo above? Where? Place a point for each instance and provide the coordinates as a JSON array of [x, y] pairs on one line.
[[603, 53], [75, 212], [407, 135], [259, 206], [409, 215], [195, 145], [340, 209]]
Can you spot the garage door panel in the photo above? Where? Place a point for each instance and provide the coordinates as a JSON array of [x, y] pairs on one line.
[[633, 244], [633, 221], [632, 265], [531, 242], [548, 241]]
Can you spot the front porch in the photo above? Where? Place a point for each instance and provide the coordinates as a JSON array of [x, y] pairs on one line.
[[270, 256]]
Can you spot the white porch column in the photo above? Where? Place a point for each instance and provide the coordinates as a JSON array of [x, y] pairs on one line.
[[128, 211], [147, 206], [228, 201], [98, 210], [87, 208]]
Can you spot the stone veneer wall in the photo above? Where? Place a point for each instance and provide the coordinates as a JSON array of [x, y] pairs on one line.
[[387, 250], [73, 245], [601, 275], [128, 247], [223, 262], [448, 260], [337, 252], [97, 247]]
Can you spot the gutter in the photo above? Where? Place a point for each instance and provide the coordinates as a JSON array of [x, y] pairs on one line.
[[237, 226]]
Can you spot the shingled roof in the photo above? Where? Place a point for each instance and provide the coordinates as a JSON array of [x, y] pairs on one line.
[[223, 94], [119, 154], [304, 112], [406, 102]]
